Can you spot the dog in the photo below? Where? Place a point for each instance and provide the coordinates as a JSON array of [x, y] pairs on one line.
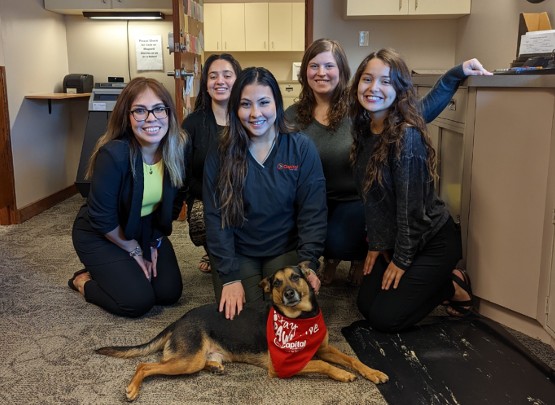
[[271, 337]]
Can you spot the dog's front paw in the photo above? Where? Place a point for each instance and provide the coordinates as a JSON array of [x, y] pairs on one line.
[[375, 376], [343, 376]]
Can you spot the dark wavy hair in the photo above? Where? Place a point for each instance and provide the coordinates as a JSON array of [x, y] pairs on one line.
[[119, 127], [404, 112], [307, 101], [204, 100], [234, 145]]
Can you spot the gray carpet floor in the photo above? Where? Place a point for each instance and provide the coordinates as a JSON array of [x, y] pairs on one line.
[[48, 333]]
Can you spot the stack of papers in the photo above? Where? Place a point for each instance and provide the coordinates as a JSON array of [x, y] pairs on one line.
[[537, 42]]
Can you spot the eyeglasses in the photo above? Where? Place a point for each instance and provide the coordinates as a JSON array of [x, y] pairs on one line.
[[141, 114]]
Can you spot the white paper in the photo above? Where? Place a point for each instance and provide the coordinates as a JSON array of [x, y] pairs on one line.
[[149, 52], [540, 42]]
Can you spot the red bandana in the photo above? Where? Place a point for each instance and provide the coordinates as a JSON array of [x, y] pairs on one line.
[[293, 342]]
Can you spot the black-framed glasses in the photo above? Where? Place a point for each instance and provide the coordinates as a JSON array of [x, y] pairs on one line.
[[141, 114]]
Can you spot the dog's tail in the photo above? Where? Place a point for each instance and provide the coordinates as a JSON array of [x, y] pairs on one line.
[[127, 352]]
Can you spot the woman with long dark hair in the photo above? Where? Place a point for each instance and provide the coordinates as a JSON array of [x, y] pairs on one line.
[[413, 243], [264, 195], [204, 127]]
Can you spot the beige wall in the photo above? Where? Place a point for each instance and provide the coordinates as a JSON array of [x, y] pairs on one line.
[[102, 48], [425, 44], [279, 63], [35, 56], [490, 33]]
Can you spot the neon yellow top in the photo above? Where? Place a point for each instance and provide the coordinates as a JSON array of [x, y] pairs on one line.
[[152, 193]]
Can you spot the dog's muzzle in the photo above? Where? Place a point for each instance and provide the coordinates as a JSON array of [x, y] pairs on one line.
[[290, 297]]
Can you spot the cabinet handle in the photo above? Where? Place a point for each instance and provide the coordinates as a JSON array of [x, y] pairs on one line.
[[416, 5], [218, 45], [400, 4], [452, 105], [265, 45]]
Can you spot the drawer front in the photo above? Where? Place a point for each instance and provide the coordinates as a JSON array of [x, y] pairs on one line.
[[456, 109]]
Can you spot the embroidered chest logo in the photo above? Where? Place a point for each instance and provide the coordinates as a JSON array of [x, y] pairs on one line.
[[285, 166]]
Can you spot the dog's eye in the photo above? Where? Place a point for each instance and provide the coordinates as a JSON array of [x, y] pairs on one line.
[[277, 283], [295, 277]]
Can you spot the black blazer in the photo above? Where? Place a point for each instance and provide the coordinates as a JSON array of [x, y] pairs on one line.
[[115, 197]]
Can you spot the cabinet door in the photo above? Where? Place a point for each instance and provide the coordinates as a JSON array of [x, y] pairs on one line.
[[431, 7], [297, 21], [142, 5], [76, 6], [212, 27], [256, 26], [233, 26], [280, 29], [508, 190], [377, 7]]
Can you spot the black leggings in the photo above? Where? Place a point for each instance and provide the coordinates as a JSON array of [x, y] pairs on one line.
[[425, 285], [118, 284]]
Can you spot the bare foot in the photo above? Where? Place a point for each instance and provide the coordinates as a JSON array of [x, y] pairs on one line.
[[328, 272], [356, 273], [79, 282]]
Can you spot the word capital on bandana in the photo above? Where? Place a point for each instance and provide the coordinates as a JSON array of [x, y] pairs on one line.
[[293, 342]]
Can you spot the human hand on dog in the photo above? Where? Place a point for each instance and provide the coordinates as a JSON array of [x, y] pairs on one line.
[[233, 298], [393, 275], [314, 281]]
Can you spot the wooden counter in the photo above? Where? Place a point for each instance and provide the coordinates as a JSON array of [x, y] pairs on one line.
[[56, 96]]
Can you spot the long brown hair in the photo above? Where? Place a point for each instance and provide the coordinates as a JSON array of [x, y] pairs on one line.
[[404, 112], [307, 101], [119, 127], [234, 145]]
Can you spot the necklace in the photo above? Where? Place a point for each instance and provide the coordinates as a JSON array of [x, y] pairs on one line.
[[148, 168]]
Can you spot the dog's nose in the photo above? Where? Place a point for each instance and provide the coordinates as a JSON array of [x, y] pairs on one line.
[[289, 293]]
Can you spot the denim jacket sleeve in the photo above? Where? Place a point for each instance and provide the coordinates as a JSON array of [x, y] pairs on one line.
[[433, 103]]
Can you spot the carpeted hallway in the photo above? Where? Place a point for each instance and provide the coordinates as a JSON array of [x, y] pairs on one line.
[[49, 332]]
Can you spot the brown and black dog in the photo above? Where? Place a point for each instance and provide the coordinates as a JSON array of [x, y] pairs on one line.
[[204, 339]]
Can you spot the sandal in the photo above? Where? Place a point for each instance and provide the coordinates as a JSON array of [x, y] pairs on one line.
[[355, 273], [72, 279], [204, 264], [461, 309]]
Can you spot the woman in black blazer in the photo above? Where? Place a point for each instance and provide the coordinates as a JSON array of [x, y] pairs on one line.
[[120, 234]]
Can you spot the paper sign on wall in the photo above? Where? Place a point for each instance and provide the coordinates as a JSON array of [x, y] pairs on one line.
[[149, 52]]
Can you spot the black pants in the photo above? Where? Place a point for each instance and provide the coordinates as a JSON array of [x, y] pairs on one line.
[[252, 270], [425, 285], [118, 284], [346, 234]]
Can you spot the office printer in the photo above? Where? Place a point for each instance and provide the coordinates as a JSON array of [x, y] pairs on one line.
[[78, 83]]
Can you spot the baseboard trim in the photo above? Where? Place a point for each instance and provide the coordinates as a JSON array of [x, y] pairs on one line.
[[36, 208]]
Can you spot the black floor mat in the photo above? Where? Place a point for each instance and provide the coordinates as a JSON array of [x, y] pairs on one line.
[[445, 361]]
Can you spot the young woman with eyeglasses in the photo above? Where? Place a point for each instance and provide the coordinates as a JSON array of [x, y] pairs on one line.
[[137, 170]]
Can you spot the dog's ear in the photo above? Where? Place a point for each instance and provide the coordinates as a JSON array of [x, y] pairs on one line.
[[266, 283], [304, 267]]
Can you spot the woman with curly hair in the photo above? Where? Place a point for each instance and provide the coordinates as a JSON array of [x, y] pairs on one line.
[[322, 113], [413, 243], [137, 170]]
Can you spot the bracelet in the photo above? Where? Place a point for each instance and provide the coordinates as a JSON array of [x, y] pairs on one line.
[[136, 252], [157, 243]]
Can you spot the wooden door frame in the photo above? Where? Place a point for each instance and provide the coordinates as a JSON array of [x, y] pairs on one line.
[[8, 212]]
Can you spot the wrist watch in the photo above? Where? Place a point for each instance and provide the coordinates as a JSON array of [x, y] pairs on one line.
[[136, 252]]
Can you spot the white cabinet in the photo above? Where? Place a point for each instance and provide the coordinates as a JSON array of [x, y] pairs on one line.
[[407, 8], [286, 26], [224, 27], [254, 26], [76, 7]]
